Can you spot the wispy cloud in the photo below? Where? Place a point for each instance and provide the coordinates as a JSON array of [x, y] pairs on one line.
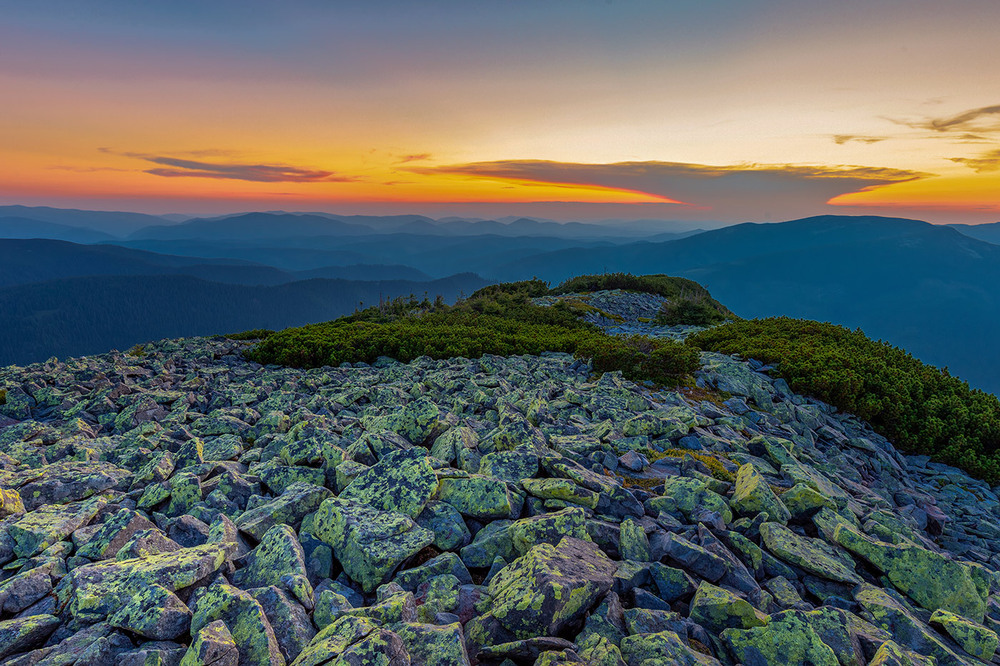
[[416, 157], [841, 139], [988, 161], [176, 167], [982, 119], [81, 169], [744, 189]]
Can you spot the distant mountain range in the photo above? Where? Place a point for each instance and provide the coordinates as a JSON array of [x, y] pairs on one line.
[[87, 315], [930, 289]]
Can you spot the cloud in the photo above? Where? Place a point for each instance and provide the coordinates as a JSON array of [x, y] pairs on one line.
[[841, 139], [741, 191], [988, 161], [175, 167], [81, 169], [983, 119], [417, 157]]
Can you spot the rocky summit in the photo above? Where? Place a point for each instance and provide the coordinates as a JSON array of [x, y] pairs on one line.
[[178, 504]]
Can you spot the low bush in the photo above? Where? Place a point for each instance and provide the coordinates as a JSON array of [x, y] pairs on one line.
[[689, 302], [255, 334], [499, 319], [921, 409], [689, 312]]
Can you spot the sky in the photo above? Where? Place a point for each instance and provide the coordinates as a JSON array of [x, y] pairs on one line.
[[724, 111]]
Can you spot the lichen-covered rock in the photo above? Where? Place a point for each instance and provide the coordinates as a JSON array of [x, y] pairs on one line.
[[752, 495], [930, 579], [660, 649], [298, 500], [151, 611], [369, 544], [476, 496], [22, 590], [904, 626], [891, 653], [243, 615], [93, 591], [10, 503], [561, 489], [450, 530], [51, 523], [288, 619], [213, 645], [974, 638], [433, 645], [802, 501], [113, 534], [278, 554], [716, 609], [402, 482], [545, 590], [24, 633], [787, 639], [633, 543], [812, 555], [686, 496], [69, 481], [548, 528], [354, 640]]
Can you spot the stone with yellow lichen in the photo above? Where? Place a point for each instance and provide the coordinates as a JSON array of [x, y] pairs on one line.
[[544, 591]]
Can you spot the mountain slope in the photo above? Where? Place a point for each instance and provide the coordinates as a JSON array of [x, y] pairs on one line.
[[927, 288], [110, 222], [22, 227], [34, 260], [984, 232], [252, 226], [85, 315]]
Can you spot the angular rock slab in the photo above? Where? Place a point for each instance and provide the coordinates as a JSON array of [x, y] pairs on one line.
[[50, 524], [752, 495], [787, 639], [402, 482], [370, 544], [250, 629], [542, 592], [812, 555], [25, 633], [930, 579]]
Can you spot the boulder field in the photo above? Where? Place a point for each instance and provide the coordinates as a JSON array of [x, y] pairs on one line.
[[180, 505]]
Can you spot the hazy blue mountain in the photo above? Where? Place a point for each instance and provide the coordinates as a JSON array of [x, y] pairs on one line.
[[985, 232], [927, 288], [252, 226], [279, 224], [437, 256], [87, 315], [118, 224], [27, 261], [22, 227], [271, 252]]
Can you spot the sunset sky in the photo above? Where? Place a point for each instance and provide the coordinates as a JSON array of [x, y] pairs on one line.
[[713, 111]]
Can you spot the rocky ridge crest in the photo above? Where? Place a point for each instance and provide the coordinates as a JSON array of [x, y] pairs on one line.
[[179, 505]]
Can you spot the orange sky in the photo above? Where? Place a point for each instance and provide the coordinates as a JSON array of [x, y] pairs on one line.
[[713, 112]]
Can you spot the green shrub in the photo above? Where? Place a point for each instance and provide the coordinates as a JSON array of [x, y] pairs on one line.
[[690, 303], [3, 396], [918, 407], [254, 334], [689, 312], [499, 319]]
